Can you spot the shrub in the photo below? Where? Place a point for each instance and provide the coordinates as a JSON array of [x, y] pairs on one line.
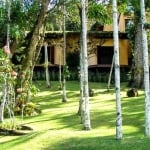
[[31, 109]]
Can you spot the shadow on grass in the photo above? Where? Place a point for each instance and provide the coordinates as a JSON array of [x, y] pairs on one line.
[[19, 140], [64, 121], [132, 109], [133, 112], [100, 143], [103, 115]]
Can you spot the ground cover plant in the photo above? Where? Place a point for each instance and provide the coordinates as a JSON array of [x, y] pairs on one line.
[[58, 127]]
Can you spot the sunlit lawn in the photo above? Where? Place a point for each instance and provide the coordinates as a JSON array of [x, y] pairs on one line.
[[59, 127]]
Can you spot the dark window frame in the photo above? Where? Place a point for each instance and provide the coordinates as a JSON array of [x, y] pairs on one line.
[[105, 55]]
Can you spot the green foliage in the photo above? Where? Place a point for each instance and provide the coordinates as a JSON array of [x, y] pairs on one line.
[[97, 27], [122, 7], [53, 75], [135, 7], [31, 109], [33, 89], [131, 33], [94, 76], [66, 72], [73, 59], [148, 36], [73, 16], [8, 125], [21, 20], [147, 25], [2, 55], [99, 13], [74, 75], [5, 68], [72, 25], [55, 19]]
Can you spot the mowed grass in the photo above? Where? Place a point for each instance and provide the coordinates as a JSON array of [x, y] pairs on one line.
[[58, 127]]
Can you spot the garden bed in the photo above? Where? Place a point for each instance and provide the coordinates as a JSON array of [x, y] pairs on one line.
[[22, 130]]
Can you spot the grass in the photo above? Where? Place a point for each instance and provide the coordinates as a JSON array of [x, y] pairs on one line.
[[59, 127]]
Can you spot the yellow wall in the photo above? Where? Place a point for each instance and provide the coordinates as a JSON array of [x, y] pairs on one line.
[[121, 24], [93, 42], [123, 52], [58, 55], [92, 59]]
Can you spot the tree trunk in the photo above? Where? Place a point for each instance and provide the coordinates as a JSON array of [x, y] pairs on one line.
[[35, 43], [35, 37], [117, 73], [46, 66], [60, 71], [4, 93], [81, 100], [110, 74], [64, 96], [87, 124], [81, 72], [138, 57], [37, 52], [146, 70]]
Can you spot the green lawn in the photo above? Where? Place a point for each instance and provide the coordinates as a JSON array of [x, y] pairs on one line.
[[58, 127]]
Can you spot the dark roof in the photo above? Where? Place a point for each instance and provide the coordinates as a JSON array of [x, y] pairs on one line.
[[96, 34]]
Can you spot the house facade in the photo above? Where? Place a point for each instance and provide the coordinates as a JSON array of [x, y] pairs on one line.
[[99, 42], [100, 45]]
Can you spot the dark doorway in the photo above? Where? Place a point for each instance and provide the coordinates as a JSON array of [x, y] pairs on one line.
[[50, 50], [105, 55]]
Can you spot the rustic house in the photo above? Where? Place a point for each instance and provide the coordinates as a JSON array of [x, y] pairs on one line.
[[100, 46]]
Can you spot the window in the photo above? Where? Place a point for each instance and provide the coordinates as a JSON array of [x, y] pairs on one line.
[[105, 55]]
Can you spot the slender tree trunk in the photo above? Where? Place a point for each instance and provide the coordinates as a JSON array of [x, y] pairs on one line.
[[64, 96], [117, 73], [46, 66], [81, 72], [146, 70], [87, 124], [81, 100], [60, 71], [110, 74], [4, 93]]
